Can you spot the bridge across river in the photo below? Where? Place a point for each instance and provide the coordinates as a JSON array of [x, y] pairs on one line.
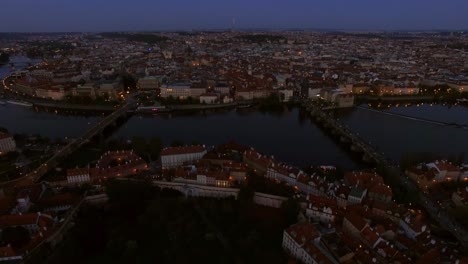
[[358, 144], [51, 163]]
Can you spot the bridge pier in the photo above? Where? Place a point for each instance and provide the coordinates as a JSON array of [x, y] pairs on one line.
[[344, 139], [355, 148], [367, 158], [101, 136]]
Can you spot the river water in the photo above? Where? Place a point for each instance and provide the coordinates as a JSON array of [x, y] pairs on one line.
[[396, 135], [289, 136]]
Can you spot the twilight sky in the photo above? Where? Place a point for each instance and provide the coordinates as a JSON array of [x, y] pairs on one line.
[[120, 15]]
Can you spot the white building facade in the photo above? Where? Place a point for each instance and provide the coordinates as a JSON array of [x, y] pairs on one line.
[[176, 156], [7, 143]]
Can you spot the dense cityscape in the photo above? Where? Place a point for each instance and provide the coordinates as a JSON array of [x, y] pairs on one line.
[[234, 146]]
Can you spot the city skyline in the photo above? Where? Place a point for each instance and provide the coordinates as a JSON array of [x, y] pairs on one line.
[[363, 15]]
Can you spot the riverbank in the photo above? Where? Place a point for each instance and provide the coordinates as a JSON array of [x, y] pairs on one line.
[[202, 106], [419, 119], [75, 107], [398, 98]]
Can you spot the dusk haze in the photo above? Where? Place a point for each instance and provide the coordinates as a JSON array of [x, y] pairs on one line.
[[119, 15], [234, 132]]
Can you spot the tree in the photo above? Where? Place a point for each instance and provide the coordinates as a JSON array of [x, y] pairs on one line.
[[129, 82], [290, 210], [177, 143], [12, 155], [16, 236], [155, 147], [245, 195], [139, 144]]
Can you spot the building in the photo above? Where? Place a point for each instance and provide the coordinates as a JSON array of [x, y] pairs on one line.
[[302, 242], [176, 156], [9, 255], [286, 94], [197, 91], [58, 203], [413, 225], [423, 178], [203, 176], [209, 98], [360, 89], [369, 183], [356, 195], [85, 90], [353, 224], [313, 93], [78, 176], [343, 100], [7, 143], [180, 91], [149, 83], [322, 209], [251, 93], [32, 222], [297, 236], [444, 170], [110, 90], [337, 97], [460, 197], [56, 92], [222, 88], [256, 161], [29, 85], [459, 86], [405, 91]]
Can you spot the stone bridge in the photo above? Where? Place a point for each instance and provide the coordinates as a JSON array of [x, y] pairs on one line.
[[370, 154]]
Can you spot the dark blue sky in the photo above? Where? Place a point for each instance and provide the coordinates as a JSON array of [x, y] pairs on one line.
[[113, 15]]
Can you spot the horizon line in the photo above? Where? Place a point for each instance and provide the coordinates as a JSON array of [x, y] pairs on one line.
[[246, 29]]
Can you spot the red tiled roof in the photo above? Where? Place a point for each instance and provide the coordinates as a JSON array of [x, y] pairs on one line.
[[381, 189], [59, 199], [320, 201], [369, 235], [432, 256], [303, 233], [356, 220], [258, 158], [6, 203], [77, 171], [316, 253], [444, 165], [25, 219], [4, 135], [33, 191], [182, 150], [7, 252], [232, 145]]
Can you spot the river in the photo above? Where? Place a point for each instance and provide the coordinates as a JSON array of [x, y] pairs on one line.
[[289, 136], [396, 135]]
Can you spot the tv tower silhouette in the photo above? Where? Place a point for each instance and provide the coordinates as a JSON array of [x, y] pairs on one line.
[[233, 24]]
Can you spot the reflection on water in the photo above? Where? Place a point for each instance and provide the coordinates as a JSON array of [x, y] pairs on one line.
[[396, 136]]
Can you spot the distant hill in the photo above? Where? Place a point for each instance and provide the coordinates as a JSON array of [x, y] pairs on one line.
[[148, 38]]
